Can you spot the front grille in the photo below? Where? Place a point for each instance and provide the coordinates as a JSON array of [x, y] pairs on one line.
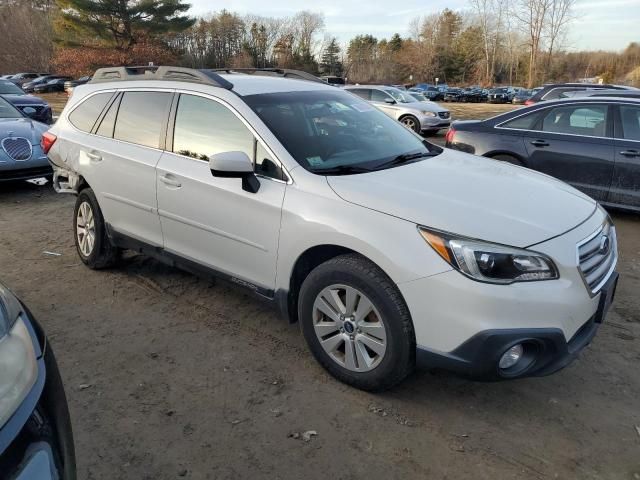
[[18, 148], [597, 257], [444, 114]]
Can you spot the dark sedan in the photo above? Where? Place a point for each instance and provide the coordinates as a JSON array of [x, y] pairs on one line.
[[35, 430], [55, 85], [34, 107], [591, 143], [452, 94], [31, 85], [553, 91]]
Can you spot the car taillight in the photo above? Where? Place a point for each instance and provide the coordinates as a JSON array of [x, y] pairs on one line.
[[450, 134], [47, 141], [529, 102]]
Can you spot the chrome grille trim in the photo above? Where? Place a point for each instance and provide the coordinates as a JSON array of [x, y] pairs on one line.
[[594, 264], [17, 148]]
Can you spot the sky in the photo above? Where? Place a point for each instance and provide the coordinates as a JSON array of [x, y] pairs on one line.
[[599, 24]]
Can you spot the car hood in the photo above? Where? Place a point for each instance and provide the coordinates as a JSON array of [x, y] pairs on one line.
[[471, 196], [22, 127], [24, 99]]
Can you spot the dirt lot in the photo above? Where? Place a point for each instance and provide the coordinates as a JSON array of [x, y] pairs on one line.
[[169, 376]]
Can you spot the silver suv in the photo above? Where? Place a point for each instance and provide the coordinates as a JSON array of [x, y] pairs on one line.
[[427, 117]]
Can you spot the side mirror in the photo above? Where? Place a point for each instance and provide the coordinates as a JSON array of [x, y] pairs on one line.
[[235, 165], [30, 111], [390, 101]]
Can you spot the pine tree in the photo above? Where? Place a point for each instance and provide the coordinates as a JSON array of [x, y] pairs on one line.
[[124, 22], [330, 63]]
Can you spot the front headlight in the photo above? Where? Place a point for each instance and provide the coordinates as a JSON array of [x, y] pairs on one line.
[[429, 114], [490, 262], [18, 363]]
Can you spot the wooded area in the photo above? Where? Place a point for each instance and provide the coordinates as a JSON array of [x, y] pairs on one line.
[[516, 42]]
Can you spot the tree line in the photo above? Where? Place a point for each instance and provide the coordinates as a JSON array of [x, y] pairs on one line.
[[518, 42]]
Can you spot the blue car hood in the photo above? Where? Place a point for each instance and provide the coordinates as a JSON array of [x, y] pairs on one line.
[[22, 127], [24, 99]]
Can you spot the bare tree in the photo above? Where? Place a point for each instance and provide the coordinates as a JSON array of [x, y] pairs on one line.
[[558, 17], [490, 17], [532, 15]]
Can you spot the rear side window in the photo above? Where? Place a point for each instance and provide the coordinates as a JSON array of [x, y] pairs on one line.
[[378, 96], [525, 122], [109, 120], [141, 116], [84, 116]]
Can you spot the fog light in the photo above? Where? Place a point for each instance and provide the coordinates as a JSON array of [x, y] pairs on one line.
[[511, 357]]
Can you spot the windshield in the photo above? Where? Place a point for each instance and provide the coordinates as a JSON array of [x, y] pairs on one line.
[[336, 133], [10, 88], [399, 96], [7, 110], [418, 96]]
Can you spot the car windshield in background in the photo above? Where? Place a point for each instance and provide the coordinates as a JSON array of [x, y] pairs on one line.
[[10, 88], [399, 96], [337, 133], [498, 90], [7, 110]]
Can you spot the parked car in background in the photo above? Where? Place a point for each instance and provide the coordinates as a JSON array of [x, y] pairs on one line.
[[591, 143], [500, 95], [432, 93], [554, 91], [602, 92], [22, 78], [443, 87], [522, 96], [6, 77], [21, 156], [390, 251], [330, 79], [472, 95], [69, 84], [453, 94], [31, 106], [36, 442], [54, 85], [418, 116], [31, 85]]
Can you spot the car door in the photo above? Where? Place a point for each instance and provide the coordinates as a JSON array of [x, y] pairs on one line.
[[212, 220], [573, 143], [121, 158], [625, 185], [384, 102]]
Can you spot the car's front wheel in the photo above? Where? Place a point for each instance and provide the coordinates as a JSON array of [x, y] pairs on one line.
[[411, 122], [356, 323], [93, 246]]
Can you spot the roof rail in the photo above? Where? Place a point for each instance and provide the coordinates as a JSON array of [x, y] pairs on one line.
[[284, 72], [179, 74]]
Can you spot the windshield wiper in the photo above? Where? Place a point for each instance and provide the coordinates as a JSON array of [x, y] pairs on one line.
[[404, 158], [341, 170]]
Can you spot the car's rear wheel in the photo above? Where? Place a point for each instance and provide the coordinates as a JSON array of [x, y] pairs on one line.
[[411, 122], [93, 246], [356, 323], [503, 157]]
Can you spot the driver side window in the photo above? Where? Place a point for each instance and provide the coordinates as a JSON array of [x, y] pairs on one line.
[[379, 96], [205, 127]]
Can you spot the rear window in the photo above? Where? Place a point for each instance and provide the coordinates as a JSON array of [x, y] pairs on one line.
[[141, 116], [84, 116]]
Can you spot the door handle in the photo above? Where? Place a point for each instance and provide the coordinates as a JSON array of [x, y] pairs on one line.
[[94, 157], [630, 153], [539, 143], [170, 181]]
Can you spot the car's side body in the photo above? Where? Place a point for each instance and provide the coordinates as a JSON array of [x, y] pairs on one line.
[[587, 148]]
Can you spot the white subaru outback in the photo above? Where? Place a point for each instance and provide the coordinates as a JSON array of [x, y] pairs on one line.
[[391, 252]]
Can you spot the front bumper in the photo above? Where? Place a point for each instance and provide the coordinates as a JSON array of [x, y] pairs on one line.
[[36, 443], [37, 166], [434, 123], [546, 349]]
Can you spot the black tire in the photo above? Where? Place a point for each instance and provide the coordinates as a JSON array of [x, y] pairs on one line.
[[415, 123], [103, 254], [356, 271], [503, 157]]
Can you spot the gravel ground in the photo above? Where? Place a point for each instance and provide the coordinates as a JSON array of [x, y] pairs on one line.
[[169, 376]]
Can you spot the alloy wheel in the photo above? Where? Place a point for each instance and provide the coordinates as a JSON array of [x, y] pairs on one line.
[[349, 328], [85, 229]]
